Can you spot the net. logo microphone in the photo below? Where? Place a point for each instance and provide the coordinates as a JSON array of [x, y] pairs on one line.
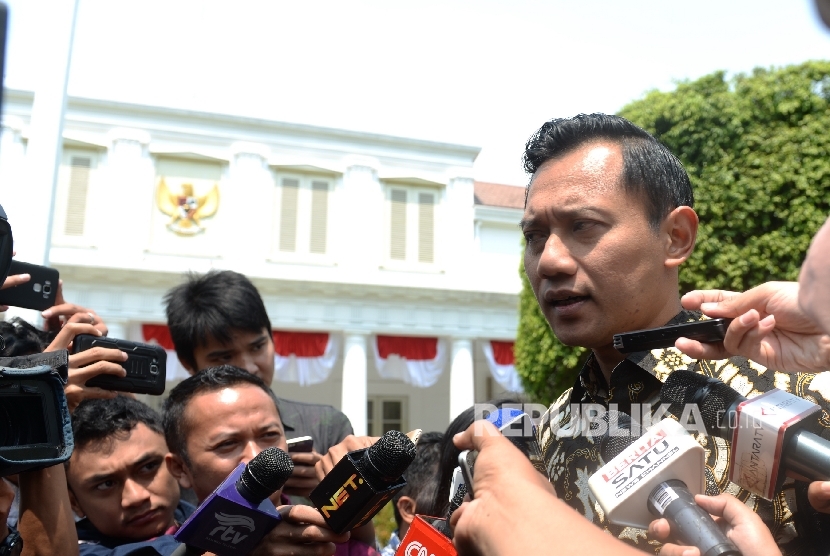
[[363, 482], [238, 514], [769, 434]]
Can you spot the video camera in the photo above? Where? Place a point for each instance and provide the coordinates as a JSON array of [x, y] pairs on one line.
[[35, 431]]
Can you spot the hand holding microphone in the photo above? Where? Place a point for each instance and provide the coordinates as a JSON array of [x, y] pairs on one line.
[[741, 525]]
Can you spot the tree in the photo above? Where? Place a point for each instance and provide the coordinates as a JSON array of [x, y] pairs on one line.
[[757, 149]]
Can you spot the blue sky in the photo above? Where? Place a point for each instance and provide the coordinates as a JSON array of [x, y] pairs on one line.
[[481, 72]]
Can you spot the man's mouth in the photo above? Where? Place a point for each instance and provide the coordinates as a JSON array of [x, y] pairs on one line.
[[568, 300], [143, 518]]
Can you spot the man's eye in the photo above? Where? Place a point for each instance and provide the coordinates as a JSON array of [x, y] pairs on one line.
[[106, 485], [257, 347], [151, 467], [582, 225]]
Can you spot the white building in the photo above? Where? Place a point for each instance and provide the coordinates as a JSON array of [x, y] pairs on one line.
[[349, 235]]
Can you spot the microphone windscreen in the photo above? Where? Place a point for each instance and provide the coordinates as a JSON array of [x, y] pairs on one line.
[[710, 395], [618, 436], [457, 499], [388, 458], [265, 474]]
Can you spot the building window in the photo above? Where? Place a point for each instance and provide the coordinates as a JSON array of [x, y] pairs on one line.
[[411, 221], [80, 168], [303, 213], [384, 415]]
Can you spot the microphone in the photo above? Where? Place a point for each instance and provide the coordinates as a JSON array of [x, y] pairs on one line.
[[443, 525], [433, 534], [238, 514], [657, 475], [363, 482], [769, 433]]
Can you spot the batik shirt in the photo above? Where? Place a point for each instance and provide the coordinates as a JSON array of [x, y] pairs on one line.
[[635, 387]]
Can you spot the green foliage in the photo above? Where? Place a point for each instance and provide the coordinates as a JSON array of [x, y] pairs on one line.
[[547, 367], [757, 149]]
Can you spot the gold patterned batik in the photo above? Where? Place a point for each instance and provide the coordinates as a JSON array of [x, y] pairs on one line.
[[635, 385]]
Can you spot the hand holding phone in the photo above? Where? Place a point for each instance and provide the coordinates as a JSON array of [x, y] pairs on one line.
[[36, 292], [711, 330], [145, 365]]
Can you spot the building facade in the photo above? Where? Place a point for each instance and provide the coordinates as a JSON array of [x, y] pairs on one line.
[[390, 276]]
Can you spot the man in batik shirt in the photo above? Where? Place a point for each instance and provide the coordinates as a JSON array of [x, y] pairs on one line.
[[608, 220]]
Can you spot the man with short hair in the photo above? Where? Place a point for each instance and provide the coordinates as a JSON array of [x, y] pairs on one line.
[[118, 481], [219, 319], [608, 220], [224, 416]]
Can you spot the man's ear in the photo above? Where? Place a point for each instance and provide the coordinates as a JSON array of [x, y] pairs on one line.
[[406, 507], [680, 230], [187, 367], [73, 503], [179, 470]]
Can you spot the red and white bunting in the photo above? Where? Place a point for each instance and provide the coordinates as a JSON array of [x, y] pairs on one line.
[[304, 357], [502, 364], [159, 334], [414, 360]]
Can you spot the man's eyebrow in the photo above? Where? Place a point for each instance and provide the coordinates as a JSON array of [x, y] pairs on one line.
[[263, 338], [218, 352], [524, 222]]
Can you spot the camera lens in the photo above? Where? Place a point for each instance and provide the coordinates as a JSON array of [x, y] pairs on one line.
[[154, 369], [47, 289]]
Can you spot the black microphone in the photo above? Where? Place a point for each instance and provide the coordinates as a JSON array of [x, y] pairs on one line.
[[363, 482], [769, 434], [237, 515], [647, 474], [443, 525]]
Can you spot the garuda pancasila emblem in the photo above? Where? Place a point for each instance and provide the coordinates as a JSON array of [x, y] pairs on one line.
[[186, 210]]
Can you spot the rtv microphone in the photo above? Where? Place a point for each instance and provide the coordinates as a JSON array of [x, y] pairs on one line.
[[238, 514], [657, 475], [769, 433], [363, 482]]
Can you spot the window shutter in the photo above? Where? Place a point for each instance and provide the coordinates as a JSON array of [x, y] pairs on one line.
[[319, 216], [288, 214], [76, 203], [397, 225], [426, 227]]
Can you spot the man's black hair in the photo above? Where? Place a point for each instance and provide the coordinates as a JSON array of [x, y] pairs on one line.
[[212, 305], [98, 421], [21, 338], [422, 474], [649, 168], [211, 379]]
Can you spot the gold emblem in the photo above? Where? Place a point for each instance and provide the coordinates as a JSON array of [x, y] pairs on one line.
[[185, 209]]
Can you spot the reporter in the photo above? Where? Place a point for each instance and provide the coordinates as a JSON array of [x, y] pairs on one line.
[[741, 525], [511, 496]]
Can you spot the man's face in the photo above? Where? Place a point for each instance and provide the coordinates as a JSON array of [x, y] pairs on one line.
[[595, 265], [225, 428], [814, 280], [252, 351], [124, 487]]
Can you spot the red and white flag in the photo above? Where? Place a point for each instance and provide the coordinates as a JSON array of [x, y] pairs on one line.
[[304, 357], [159, 334], [502, 364], [415, 360]]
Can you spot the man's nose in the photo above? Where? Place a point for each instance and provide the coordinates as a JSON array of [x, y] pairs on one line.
[[556, 258], [251, 449], [134, 494], [248, 363]]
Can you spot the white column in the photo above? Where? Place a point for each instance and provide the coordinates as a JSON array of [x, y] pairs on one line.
[[247, 197], [459, 223], [462, 385], [362, 200], [353, 401], [31, 214]]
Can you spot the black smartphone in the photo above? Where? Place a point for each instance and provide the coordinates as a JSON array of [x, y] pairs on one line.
[[38, 293], [707, 331], [300, 444], [146, 365]]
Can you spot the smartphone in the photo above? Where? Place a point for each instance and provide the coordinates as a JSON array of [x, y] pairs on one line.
[[146, 365], [38, 293], [301, 444], [467, 461], [707, 331]]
